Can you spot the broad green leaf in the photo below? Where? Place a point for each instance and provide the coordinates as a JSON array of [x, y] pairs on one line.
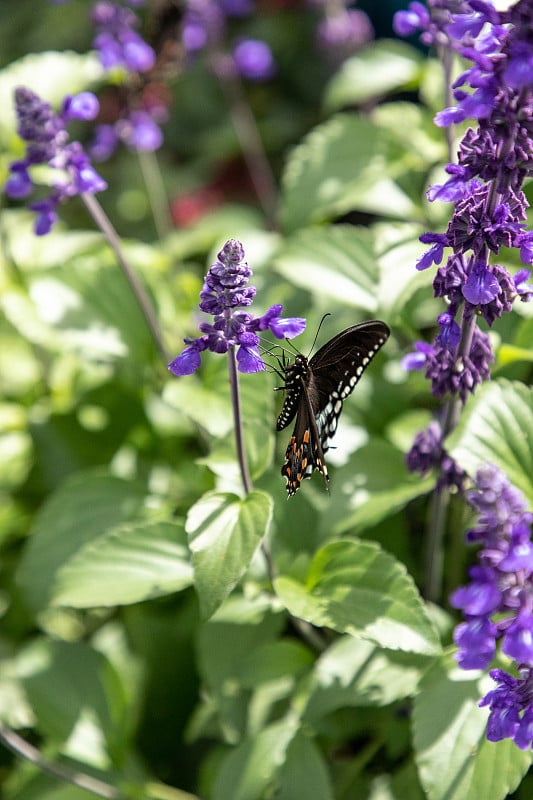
[[83, 508], [274, 660], [304, 773], [250, 772], [127, 564], [340, 167], [85, 307], [398, 249], [210, 410], [51, 75], [455, 760], [354, 672], [383, 67], [65, 681], [336, 262], [224, 532], [355, 587], [373, 485], [240, 628], [497, 428]]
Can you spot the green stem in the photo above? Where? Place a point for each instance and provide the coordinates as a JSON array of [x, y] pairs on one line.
[[237, 420], [20, 747], [248, 135], [155, 189], [145, 305]]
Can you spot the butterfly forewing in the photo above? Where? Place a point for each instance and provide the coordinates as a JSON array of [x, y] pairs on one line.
[[316, 390]]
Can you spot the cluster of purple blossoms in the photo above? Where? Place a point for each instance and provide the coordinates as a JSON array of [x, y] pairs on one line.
[[46, 137], [204, 28], [117, 42], [224, 293], [497, 604], [120, 46], [485, 185]]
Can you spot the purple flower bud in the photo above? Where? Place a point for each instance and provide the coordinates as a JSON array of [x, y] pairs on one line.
[[46, 216], [18, 185], [80, 106], [140, 132], [138, 55], [405, 23], [104, 143], [253, 59]]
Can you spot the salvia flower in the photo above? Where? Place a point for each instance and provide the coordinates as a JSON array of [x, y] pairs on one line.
[[204, 29], [489, 213], [47, 142], [117, 42], [497, 603], [225, 293]]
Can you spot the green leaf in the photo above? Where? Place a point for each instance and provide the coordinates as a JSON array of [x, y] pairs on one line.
[[84, 507], [497, 428], [354, 587], [398, 248], [340, 167], [251, 770], [455, 760], [224, 532], [383, 67], [67, 682], [125, 565], [84, 307], [375, 484], [274, 660], [336, 262], [304, 773], [354, 672]]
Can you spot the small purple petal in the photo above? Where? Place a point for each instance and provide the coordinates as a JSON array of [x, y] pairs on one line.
[[249, 360], [186, 363], [481, 286], [287, 327], [449, 116]]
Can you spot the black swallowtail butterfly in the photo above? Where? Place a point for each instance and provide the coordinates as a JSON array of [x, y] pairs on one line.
[[315, 391]]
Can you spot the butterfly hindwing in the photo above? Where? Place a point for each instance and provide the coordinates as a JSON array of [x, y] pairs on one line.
[[316, 390]]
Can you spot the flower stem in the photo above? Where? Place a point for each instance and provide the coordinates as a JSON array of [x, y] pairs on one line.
[[155, 189], [25, 750], [145, 305], [249, 138], [237, 420]]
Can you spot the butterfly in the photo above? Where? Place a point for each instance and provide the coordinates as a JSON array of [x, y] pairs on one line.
[[316, 389]]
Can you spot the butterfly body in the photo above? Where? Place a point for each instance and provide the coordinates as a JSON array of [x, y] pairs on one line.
[[315, 393]]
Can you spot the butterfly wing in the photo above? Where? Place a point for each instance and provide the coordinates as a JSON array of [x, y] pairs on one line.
[[331, 376]]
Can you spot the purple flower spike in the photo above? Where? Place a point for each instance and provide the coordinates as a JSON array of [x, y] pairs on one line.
[[225, 292], [47, 142]]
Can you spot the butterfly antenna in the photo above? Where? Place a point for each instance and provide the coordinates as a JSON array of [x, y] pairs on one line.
[[328, 314]]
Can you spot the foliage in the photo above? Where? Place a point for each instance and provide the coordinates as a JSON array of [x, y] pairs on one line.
[[145, 640]]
